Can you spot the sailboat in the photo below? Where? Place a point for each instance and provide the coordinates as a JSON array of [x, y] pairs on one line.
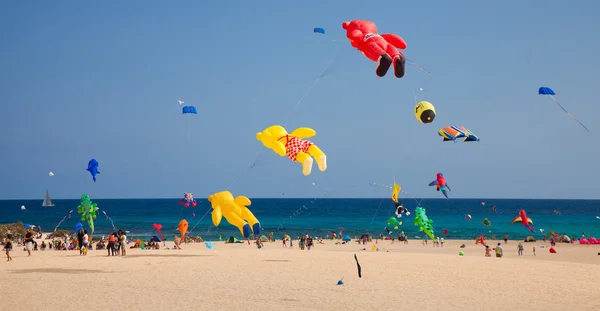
[[47, 200]]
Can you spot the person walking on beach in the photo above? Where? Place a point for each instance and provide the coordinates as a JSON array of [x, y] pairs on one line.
[[442, 241], [8, 247], [534, 251], [520, 249], [488, 251], [80, 241], [28, 242], [505, 238]]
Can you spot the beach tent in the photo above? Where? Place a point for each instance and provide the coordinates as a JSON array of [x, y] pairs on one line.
[[231, 240], [155, 239], [347, 238]]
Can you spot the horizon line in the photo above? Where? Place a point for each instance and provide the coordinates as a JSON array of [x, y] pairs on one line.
[[322, 198]]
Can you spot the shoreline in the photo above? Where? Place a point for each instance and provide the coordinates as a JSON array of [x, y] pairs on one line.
[[274, 277]]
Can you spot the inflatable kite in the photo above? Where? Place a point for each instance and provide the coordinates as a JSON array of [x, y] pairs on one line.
[[93, 168], [382, 49], [393, 222], [88, 210], [486, 222], [425, 112], [235, 211], [525, 221], [294, 146], [183, 229], [319, 30], [400, 209], [158, 227], [456, 133], [423, 222], [548, 91], [441, 184], [188, 199]]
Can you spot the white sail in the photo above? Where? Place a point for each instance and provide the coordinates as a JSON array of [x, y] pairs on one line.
[[47, 200]]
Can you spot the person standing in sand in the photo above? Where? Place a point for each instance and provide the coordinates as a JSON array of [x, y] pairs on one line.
[[123, 244], [505, 239], [488, 251], [8, 247], [442, 241], [112, 239], [520, 249], [499, 252], [80, 241], [28, 241], [86, 242]]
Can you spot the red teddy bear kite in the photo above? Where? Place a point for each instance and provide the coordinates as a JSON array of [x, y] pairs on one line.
[[382, 49]]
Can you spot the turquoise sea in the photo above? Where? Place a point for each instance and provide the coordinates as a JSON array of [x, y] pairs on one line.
[[318, 216]]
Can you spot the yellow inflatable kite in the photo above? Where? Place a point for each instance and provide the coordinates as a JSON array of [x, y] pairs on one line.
[[294, 146], [235, 211]]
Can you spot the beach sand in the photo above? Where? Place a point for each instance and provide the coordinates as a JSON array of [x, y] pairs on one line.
[[240, 276]]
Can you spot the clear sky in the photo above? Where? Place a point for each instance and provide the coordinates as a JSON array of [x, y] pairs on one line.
[[101, 80]]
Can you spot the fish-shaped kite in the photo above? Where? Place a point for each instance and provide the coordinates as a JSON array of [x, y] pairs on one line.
[[93, 168]]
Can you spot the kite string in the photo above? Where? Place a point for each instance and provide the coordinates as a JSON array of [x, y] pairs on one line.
[[298, 102], [570, 115]]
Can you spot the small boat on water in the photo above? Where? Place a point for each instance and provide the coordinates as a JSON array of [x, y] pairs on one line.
[[47, 200]]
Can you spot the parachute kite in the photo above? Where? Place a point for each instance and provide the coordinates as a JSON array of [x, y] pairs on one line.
[[188, 199], [88, 210], [319, 30], [189, 109], [425, 112], [456, 133], [548, 91], [294, 146], [93, 168], [183, 229], [525, 221], [486, 222], [423, 222], [235, 212], [158, 227], [441, 184], [382, 49]]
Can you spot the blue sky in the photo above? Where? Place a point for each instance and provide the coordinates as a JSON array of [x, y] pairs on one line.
[[102, 80]]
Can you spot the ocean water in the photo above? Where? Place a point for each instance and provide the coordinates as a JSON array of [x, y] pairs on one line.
[[318, 216]]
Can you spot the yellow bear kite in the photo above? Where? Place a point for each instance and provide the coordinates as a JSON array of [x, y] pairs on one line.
[[294, 146], [235, 211]]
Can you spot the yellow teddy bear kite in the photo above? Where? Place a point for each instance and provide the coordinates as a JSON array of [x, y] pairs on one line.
[[235, 211], [294, 146]]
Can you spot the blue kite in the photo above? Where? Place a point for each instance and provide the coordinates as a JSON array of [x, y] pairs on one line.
[[319, 30], [93, 168], [189, 109], [548, 91]]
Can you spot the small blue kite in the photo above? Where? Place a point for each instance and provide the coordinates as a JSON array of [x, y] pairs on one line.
[[93, 168]]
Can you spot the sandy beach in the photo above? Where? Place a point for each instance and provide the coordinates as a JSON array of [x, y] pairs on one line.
[[240, 276]]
